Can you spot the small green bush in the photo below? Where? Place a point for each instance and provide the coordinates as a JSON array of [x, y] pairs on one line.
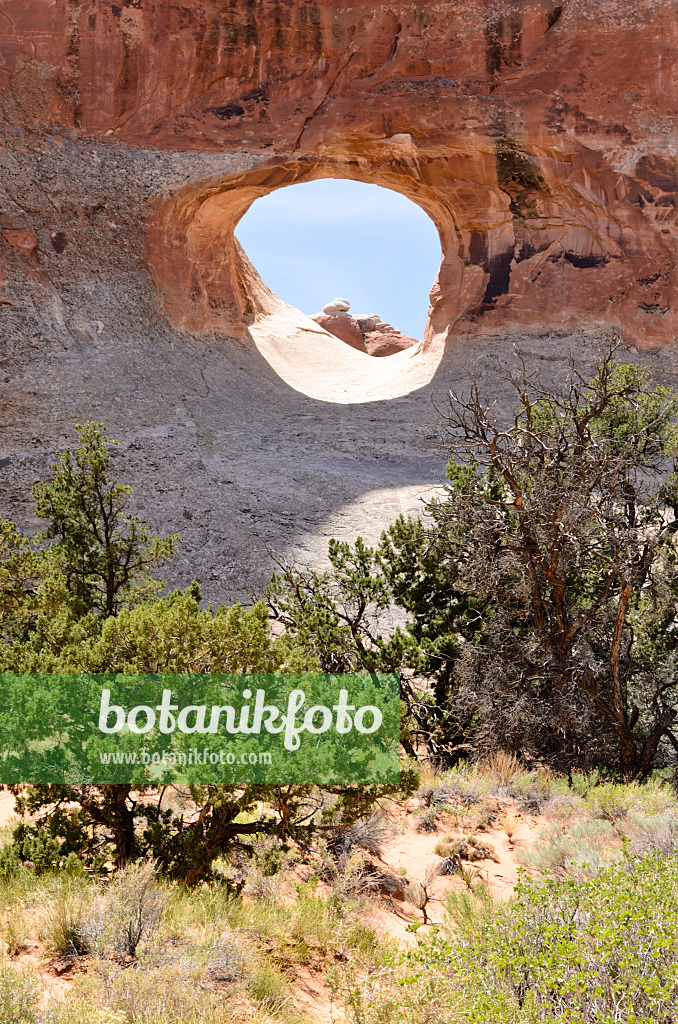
[[11, 864], [532, 789], [600, 951], [611, 801], [268, 988], [583, 782]]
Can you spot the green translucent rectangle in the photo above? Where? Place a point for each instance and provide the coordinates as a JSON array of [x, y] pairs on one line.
[[143, 729]]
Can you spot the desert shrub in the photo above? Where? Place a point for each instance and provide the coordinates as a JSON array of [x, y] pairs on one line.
[[657, 833], [469, 907], [582, 849], [532, 789], [114, 918], [467, 784], [510, 823], [611, 801], [421, 893], [354, 879], [654, 796], [583, 782], [136, 901], [367, 834], [562, 807], [436, 793], [601, 951], [268, 855], [19, 997], [614, 802], [427, 819]]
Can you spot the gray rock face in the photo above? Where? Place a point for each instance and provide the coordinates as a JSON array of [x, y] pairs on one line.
[[214, 443]]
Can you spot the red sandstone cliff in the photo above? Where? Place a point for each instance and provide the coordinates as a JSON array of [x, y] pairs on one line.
[[539, 135]]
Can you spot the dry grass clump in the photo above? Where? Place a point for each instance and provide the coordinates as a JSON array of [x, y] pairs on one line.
[[501, 768], [470, 849], [262, 886], [64, 930], [15, 932], [368, 835], [510, 823], [355, 878], [345, 861], [176, 989], [90, 919]]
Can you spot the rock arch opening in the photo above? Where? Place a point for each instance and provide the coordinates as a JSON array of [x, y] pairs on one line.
[[209, 285], [332, 237], [208, 282]]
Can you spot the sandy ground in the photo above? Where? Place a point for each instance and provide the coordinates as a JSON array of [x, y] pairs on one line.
[[412, 852]]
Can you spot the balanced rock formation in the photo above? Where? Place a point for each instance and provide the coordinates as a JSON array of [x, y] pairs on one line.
[[382, 339], [337, 306], [366, 333], [335, 319], [538, 134], [342, 326]]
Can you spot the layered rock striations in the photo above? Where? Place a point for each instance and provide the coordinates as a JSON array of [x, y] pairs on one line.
[[540, 135]]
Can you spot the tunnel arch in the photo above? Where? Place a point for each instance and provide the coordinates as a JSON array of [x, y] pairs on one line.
[[209, 284]]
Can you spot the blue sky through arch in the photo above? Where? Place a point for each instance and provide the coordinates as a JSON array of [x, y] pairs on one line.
[[330, 238]]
